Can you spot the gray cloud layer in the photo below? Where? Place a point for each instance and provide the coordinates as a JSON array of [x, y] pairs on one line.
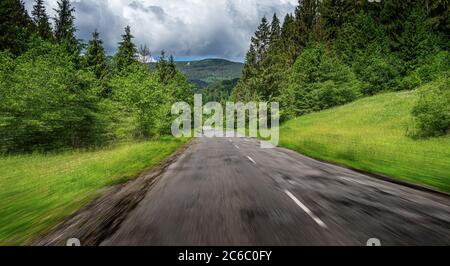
[[184, 28]]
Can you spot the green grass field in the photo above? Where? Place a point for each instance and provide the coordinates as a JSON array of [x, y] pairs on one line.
[[37, 191], [372, 135]]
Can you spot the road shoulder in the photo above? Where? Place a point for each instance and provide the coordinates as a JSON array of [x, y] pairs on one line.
[[93, 223]]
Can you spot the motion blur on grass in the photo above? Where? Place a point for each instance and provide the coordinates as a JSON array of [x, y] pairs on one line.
[[373, 134], [38, 190]]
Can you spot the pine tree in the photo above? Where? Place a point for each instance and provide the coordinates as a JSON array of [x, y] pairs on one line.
[[65, 28], [172, 67], [439, 13], [162, 62], [40, 19], [165, 69], [250, 63], [275, 29], [335, 13], [261, 40], [15, 26], [126, 53], [144, 54], [64, 21], [306, 17], [96, 56], [307, 13], [288, 39]]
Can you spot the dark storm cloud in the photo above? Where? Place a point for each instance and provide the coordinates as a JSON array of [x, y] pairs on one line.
[[93, 15], [195, 28]]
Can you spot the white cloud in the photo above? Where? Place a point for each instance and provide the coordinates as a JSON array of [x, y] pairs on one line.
[[184, 28]]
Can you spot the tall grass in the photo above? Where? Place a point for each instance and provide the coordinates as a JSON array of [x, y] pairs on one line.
[[372, 134], [37, 191]]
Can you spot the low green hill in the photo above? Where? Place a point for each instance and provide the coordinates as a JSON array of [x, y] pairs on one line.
[[208, 71], [371, 134]]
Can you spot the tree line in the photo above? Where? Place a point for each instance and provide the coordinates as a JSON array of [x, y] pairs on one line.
[[331, 52], [57, 92]]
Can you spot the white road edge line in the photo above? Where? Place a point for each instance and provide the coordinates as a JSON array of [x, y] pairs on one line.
[[253, 161], [305, 209]]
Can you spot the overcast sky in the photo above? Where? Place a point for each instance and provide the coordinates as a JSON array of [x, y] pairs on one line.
[[188, 29]]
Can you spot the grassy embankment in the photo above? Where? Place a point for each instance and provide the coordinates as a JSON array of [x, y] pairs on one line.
[[371, 134], [37, 191]]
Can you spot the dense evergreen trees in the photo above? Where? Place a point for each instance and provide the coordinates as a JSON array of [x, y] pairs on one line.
[[126, 52], [65, 27], [96, 57], [54, 96], [41, 21], [330, 52], [15, 26], [165, 68]]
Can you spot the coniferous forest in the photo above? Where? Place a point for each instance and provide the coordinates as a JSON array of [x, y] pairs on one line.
[[332, 52]]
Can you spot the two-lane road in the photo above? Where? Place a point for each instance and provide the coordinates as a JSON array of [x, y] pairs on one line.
[[225, 191]]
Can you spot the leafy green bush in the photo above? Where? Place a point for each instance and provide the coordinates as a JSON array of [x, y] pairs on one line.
[[139, 96], [46, 102], [143, 104], [363, 45], [49, 102], [432, 111], [432, 68], [329, 94], [359, 37], [377, 73], [319, 80]]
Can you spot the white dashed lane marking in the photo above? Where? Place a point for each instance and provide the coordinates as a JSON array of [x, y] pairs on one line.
[[253, 161], [297, 201], [306, 209]]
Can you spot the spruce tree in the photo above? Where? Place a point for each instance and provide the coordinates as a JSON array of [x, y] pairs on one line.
[[64, 21], [40, 20], [165, 68], [261, 40], [162, 62], [306, 17], [172, 67], [144, 54], [15, 26], [288, 40], [65, 27], [275, 29], [335, 13], [126, 53], [307, 13], [96, 56], [250, 63]]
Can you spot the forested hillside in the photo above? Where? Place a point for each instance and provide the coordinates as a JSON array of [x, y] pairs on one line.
[[57, 92], [219, 91], [205, 72], [332, 52]]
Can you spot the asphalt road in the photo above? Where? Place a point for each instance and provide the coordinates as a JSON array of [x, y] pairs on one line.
[[231, 192]]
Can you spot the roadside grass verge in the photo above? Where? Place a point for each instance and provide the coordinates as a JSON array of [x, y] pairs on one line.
[[39, 190], [371, 134]]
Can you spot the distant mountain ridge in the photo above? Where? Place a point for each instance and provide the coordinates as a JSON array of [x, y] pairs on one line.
[[205, 72]]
